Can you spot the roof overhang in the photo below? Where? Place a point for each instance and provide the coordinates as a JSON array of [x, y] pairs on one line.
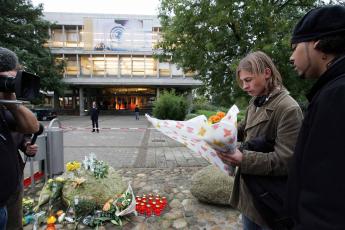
[[156, 82]]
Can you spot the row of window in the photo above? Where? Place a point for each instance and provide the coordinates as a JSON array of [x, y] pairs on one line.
[[117, 65], [79, 38]]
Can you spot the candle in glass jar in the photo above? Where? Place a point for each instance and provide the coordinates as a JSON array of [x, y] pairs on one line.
[[142, 208], [157, 210], [148, 210], [164, 199], [150, 200], [161, 203]]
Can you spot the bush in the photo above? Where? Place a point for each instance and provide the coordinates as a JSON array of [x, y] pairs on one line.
[[170, 106]]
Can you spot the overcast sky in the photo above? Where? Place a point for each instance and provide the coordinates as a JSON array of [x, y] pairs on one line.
[[146, 7]]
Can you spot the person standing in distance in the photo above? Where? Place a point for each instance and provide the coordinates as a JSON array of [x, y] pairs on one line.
[[316, 185], [136, 110], [25, 122], [94, 117]]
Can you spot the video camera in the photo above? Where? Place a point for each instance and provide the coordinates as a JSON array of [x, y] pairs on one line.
[[25, 85]]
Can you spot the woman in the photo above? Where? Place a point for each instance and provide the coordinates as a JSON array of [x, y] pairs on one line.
[[273, 119]]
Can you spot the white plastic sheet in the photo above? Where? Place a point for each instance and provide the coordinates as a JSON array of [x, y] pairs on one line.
[[201, 137], [131, 207]]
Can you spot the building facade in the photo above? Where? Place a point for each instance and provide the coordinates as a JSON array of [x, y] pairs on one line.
[[110, 59]]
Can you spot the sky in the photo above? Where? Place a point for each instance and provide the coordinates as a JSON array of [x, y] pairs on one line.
[[143, 7]]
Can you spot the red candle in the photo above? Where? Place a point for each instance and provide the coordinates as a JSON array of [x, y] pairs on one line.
[[161, 203], [148, 210], [142, 208], [157, 210], [164, 199], [150, 200]]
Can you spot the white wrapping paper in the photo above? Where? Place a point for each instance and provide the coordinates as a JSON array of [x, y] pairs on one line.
[[201, 137]]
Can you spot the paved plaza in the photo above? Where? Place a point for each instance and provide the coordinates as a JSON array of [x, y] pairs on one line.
[[123, 142]]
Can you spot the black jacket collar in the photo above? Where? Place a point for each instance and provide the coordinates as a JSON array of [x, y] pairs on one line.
[[337, 68]]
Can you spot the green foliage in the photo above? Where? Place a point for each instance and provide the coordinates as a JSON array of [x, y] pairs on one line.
[[25, 32], [170, 106], [210, 37]]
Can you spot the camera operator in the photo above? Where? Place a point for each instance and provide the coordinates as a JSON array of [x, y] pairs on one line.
[[25, 122]]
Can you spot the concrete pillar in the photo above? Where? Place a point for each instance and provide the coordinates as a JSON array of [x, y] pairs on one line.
[[81, 102], [189, 98], [157, 93]]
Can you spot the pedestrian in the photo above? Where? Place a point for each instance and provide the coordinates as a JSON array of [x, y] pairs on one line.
[[25, 122], [268, 134], [94, 117], [136, 110], [15, 202], [316, 185]]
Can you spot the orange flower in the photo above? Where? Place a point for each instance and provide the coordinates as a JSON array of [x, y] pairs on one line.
[[107, 205], [59, 213], [220, 114], [214, 119]]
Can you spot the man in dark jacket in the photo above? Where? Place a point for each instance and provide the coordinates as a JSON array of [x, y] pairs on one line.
[[94, 116], [25, 122], [316, 180]]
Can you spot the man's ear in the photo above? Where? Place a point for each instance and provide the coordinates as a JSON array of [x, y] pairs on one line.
[[316, 43], [268, 73]]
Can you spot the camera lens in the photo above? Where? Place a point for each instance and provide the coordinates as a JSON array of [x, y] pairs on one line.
[[7, 84]]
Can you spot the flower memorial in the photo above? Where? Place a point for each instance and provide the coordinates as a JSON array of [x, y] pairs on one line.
[[91, 193], [204, 136]]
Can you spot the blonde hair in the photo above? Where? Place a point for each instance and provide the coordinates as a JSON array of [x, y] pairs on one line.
[[256, 63]]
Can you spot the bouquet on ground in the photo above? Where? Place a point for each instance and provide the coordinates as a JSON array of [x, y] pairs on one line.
[[80, 193], [204, 136]]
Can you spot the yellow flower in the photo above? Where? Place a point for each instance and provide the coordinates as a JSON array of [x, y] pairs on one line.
[[51, 220], [72, 166], [59, 179]]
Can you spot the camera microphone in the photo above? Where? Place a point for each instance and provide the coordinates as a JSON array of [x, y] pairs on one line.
[[39, 132]]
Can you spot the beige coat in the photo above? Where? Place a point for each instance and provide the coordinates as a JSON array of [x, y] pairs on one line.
[[278, 119]]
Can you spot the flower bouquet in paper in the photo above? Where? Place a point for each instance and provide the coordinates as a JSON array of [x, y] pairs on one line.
[[204, 136]]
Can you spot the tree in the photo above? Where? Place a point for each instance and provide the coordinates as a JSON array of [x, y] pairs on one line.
[[25, 32], [211, 36]]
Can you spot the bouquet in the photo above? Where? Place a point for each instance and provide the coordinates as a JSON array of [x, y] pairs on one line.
[[203, 136]]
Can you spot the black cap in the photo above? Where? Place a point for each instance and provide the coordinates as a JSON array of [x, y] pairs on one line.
[[320, 22], [8, 60]]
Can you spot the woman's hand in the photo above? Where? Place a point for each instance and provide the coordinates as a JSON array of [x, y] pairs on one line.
[[231, 159]]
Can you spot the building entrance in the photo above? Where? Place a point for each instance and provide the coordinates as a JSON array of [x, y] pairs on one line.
[[121, 99]]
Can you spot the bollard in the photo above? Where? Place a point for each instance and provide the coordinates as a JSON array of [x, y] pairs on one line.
[[55, 154]]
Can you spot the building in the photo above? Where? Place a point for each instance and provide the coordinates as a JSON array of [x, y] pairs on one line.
[[110, 59]]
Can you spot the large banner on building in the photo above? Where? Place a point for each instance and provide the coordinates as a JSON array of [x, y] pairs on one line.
[[118, 34]]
